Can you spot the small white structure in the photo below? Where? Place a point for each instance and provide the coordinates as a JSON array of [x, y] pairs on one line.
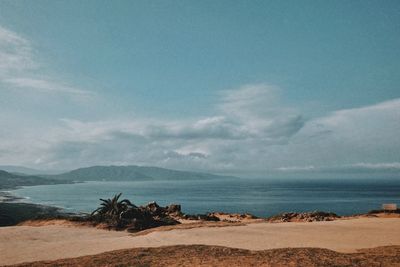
[[390, 206]]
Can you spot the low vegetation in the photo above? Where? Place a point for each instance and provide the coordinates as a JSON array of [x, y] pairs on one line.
[[11, 180], [14, 213], [314, 216], [122, 214]]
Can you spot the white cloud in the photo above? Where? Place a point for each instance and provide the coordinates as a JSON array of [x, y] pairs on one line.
[[19, 68], [248, 100], [346, 137], [296, 168], [351, 140], [218, 127], [377, 166], [46, 86], [213, 143], [260, 142], [259, 108], [15, 52], [252, 130]]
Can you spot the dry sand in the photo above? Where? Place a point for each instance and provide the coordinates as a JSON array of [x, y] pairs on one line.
[[205, 256], [28, 243]]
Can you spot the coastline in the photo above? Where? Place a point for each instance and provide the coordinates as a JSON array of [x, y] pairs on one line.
[[261, 197], [8, 197], [15, 210], [37, 211], [36, 229], [45, 228]]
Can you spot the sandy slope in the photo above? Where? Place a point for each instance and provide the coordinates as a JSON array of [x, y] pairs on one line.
[[216, 256], [27, 243]]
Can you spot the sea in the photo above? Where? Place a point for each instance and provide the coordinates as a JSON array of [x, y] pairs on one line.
[[261, 197]]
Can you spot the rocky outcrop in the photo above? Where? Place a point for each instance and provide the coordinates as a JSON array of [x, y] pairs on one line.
[[135, 218], [396, 211], [233, 217], [201, 217], [173, 210], [152, 215], [314, 216]]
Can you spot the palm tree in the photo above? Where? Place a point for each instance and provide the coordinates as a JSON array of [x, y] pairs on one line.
[[111, 209]]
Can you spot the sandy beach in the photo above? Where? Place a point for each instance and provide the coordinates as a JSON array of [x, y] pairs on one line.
[[20, 244]]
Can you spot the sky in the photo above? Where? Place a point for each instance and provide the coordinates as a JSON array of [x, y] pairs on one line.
[[250, 88]]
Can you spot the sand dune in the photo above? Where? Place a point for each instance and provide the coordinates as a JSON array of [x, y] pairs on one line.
[[29, 243]]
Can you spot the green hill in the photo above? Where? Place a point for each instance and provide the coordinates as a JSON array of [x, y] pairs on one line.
[[11, 180], [131, 173]]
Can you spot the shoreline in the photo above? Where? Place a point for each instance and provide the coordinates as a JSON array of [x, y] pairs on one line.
[[315, 233], [49, 211], [260, 206], [8, 197]]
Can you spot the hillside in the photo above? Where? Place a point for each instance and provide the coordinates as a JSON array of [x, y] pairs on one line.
[[26, 171], [11, 180], [129, 173]]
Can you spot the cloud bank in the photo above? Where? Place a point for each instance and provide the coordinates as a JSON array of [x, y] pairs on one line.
[[255, 134], [252, 131]]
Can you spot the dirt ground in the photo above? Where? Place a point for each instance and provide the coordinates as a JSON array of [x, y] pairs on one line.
[[201, 255], [357, 241]]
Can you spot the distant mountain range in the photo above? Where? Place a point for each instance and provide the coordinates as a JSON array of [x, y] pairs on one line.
[[26, 171], [14, 176], [131, 173], [11, 180]]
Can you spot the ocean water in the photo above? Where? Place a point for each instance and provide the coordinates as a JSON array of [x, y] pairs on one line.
[[261, 197]]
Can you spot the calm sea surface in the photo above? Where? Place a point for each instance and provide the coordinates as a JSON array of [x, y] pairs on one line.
[[262, 197]]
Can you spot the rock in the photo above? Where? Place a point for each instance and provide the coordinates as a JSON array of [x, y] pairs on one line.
[[233, 217], [136, 225], [201, 217], [210, 217], [397, 211], [248, 216], [154, 208], [304, 217], [156, 211], [137, 214], [167, 221], [189, 217], [173, 208]]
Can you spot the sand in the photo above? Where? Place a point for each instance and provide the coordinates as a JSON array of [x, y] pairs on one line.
[[216, 256], [50, 242]]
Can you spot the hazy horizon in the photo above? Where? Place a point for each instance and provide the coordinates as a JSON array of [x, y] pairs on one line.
[[229, 87]]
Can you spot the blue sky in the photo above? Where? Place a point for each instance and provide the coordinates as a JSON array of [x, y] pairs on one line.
[[225, 86]]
